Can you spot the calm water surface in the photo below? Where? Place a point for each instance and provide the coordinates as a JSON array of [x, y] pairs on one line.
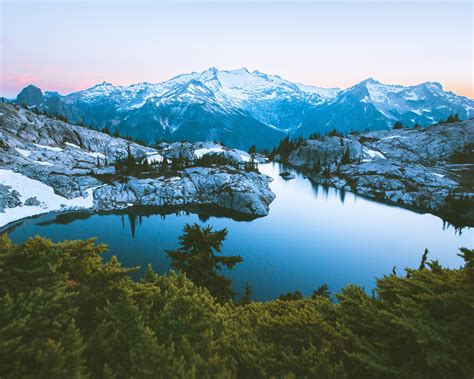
[[313, 235]]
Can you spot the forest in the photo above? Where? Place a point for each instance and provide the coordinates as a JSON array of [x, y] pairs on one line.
[[65, 312]]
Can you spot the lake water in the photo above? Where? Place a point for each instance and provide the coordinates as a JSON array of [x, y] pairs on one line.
[[313, 235]]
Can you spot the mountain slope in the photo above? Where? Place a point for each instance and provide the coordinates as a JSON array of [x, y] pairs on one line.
[[243, 108], [371, 105]]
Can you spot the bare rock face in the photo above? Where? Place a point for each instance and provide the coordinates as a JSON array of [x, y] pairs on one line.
[[414, 168], [73, 162], [244, 192], [428, 146], [9, 198], [326, 151], [30, 96]]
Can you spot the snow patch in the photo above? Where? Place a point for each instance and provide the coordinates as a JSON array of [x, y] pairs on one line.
[[49, 147], [96, 155], [50, 201], [153, 158], [72, 145], [392, 137], [41, 163], [374, 153], [199, 153], [23, 152]]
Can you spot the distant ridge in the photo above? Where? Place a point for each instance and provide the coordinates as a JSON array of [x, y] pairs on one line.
[[241, 108]]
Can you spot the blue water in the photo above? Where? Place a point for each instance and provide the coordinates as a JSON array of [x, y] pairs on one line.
[[313, 235]]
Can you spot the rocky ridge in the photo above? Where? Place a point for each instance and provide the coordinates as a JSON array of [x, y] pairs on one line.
[[430, 169], [49, 165]]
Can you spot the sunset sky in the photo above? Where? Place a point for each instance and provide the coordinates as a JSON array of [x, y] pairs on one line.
[[66, 46]]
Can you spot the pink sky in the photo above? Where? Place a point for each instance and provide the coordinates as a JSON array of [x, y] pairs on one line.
[[67, 46]]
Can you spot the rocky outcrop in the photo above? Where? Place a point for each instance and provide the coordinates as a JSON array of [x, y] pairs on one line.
[[30, 96], [244, 192], [413, 168], [48, 165]]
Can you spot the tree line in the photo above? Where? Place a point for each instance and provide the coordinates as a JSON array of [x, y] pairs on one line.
[[141, 166]]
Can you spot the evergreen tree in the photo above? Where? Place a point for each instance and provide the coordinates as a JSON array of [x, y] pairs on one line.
[[247, 296], [424, 258], [398, 125], [164, 170], [197, 258], [291, 296], [322, 291], [346, 158]]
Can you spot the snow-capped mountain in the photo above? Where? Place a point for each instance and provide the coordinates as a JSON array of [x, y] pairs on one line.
[[241, 107], [371, 105]]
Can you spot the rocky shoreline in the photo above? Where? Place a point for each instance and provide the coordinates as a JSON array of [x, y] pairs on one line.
[[47, 165], [428, 169]]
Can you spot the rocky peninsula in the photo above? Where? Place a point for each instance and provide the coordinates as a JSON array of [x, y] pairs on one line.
[[430, 169], [49, 165]]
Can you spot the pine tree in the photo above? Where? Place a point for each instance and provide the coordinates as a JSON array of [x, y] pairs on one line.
[[346, 158], [398, 125], [164, 170], [322, 291], [149, 276], [291, 296], [247, 296], [423, 260], [197, 258]]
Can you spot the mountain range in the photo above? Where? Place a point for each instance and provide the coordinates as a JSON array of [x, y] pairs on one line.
[[242, 108]]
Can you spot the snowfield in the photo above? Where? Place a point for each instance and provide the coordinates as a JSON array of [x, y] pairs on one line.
[[374, 154], [46, 198], [153, 158], [199, 153]]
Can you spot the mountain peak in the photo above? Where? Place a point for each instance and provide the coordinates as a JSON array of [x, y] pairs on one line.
[[211, 69], [242, 70], [209, 74], [369, 81], [434, 85], [30, 96]]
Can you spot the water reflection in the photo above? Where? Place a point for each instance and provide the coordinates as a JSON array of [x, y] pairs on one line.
[[313, 235]]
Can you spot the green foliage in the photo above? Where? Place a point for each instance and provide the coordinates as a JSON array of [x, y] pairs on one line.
[[285, 147], [291, 296], [335, 133], [64, 313], [247, 296], [197, 258], [322, 291], [424, 258]]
